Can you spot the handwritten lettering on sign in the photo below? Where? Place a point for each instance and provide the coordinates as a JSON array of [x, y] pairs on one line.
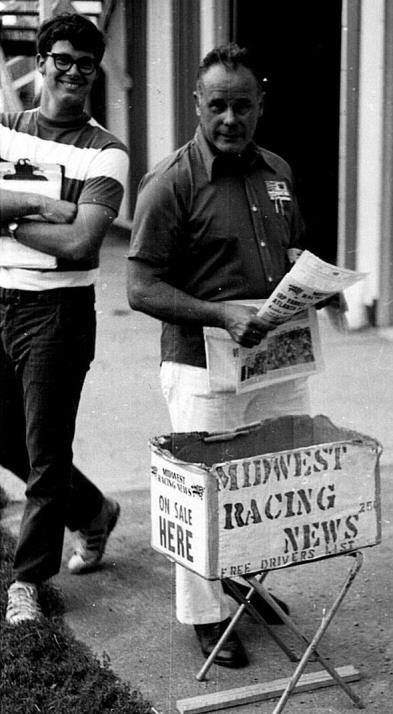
[[294, 506], [266, 511]]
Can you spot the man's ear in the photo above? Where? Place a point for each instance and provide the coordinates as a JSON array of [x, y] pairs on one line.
[[196, 102], [40, 62]]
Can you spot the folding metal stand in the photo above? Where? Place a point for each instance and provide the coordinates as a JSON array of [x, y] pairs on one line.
[[256, 586]]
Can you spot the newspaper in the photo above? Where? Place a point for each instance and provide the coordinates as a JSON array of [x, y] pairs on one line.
[[309, 281], [291, 347], [23, 176], [290, 350]]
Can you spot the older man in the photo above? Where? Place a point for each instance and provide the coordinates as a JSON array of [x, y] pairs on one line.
[[208, 231]]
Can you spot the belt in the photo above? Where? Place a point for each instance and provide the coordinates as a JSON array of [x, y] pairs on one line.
[[13, 296]]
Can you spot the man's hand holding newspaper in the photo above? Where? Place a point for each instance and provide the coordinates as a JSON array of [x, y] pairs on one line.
[[290, 346], [243, 324]]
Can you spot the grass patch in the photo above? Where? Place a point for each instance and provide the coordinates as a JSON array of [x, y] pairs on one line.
[[44, 668]]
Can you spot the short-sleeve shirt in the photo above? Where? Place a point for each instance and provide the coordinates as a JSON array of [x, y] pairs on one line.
[[94, 166], [220, 227]]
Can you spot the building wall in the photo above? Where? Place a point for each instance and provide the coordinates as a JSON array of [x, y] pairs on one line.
[[160, 88], [117, 80], [178, 36], [215, 24], [160, 43], [385, 303], [153, 130], [370, 146], [117, 86]]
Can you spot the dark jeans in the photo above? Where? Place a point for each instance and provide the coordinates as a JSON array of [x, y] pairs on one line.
[[47, 341]]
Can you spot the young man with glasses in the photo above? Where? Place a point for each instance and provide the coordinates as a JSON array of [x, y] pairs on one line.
[[47, 315]]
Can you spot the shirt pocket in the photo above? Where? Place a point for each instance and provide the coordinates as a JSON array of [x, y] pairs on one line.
[[278, 228]]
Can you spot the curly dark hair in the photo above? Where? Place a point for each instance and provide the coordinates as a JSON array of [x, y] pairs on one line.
[[232, 57], [75, 28]]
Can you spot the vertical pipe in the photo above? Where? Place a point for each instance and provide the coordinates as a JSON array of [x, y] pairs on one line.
[[385, 302], [348, 141], [186, 49], [370, 156]]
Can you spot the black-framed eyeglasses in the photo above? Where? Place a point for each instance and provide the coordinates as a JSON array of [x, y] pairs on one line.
[[64, 62]]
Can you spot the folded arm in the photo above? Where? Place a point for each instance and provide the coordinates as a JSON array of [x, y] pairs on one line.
[[18, 204], [79, 229]]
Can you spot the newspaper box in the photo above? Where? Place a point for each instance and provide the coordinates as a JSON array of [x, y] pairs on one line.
[[266, 496]]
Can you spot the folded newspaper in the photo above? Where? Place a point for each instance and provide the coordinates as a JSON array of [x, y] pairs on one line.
[[290, 350], [291, 347], [22, 176]]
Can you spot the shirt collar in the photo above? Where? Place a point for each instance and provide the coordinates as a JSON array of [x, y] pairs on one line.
[[73, 123], [255, 154]]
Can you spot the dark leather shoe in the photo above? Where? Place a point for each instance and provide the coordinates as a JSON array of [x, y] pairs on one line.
[[232, 653], [264, 609]]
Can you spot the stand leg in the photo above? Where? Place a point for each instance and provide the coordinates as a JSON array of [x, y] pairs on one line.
[[311, 646], [292, 656], [203, 671]]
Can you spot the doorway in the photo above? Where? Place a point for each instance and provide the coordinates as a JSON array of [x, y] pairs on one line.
[[297, 44]]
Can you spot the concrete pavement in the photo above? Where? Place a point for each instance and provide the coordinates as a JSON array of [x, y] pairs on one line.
[[127, 607]]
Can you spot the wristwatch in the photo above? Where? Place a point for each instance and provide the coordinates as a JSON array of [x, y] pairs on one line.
[[12, 228]]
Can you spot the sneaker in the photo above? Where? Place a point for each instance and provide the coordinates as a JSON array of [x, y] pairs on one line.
[[22, 603], [90, 543]]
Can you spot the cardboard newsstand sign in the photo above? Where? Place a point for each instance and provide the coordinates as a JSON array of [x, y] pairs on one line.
[[264, 507]]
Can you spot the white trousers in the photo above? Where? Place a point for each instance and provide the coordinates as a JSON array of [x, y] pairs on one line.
[[192, 408]]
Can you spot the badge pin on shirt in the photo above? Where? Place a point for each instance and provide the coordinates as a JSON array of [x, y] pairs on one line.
[[279, 194]]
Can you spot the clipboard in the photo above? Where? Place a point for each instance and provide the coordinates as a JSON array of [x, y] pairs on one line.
[[23, 176]]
